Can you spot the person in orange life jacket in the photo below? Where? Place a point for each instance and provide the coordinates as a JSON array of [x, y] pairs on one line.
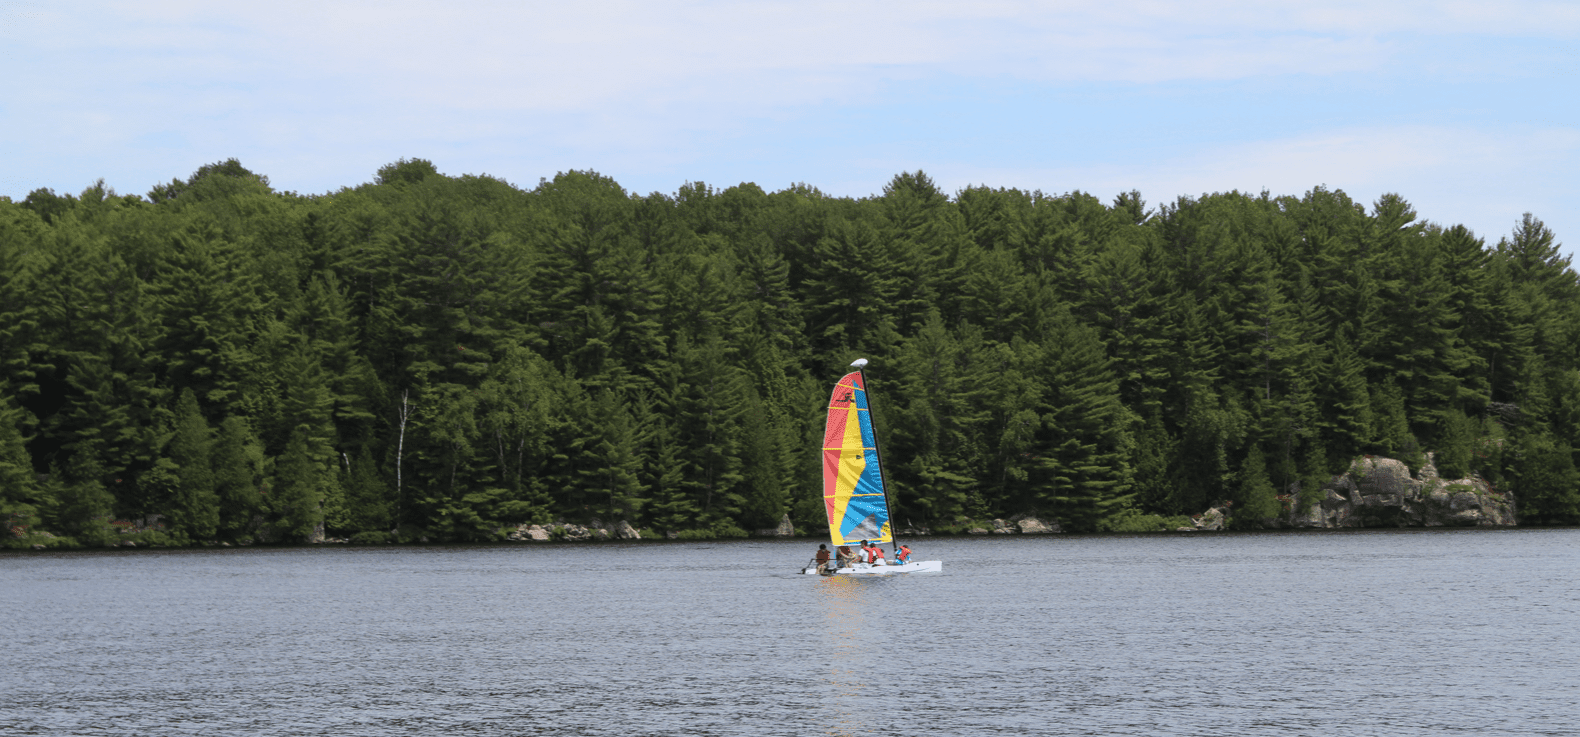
[[846, 556], [904, 556], [822, 558], [874, 553]]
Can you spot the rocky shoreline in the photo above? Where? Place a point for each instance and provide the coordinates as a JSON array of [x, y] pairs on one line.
[[1375, 492], [1381, 492]]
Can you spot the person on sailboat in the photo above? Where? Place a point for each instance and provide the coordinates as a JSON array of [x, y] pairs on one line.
[[822, 558], [903, 556], [874, 553], [847, 557]]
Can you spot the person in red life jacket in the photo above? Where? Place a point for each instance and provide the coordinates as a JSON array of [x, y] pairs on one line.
[[903, 556], [847, 557], [874, 553], [822, 558]]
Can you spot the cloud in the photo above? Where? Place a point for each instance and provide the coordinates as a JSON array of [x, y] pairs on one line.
[[510, 56], [841, 95]]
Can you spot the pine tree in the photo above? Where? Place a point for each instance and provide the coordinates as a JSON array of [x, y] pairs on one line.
[[84, 505], [610, 473], [237, 457], [368, 499], [935, 431], [1081, 445], [849, 299], [1546, 481], [298, 488], [1255, 500], [1456, 446], [195, 512], [21, 495]]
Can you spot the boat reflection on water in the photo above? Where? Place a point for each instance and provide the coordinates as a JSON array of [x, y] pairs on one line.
[[853, 645]]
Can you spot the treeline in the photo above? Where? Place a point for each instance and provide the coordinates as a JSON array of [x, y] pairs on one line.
[[439, 356]]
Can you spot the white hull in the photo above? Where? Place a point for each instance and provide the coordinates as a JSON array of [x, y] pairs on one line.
[[862, 569]]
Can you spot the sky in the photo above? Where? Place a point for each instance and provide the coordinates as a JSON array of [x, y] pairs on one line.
[[1469, 110]]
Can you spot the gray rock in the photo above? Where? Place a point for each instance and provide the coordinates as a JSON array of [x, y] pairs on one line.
[[1211, 520], [1464, 501], [576, 533], [536, 532], [1428, 472], [1379, 492], [976, 531], [625, 531], [1034, 526]]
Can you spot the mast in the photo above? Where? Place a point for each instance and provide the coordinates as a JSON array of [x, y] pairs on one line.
[[877, 450]]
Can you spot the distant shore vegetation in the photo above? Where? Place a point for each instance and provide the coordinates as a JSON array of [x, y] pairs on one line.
[[428, 356]]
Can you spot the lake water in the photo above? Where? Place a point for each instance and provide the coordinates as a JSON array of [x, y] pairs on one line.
[[1357, 633]]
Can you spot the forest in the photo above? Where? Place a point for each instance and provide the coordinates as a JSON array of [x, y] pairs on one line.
[[437, 357]]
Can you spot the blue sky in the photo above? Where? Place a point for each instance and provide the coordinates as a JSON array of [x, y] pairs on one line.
[[1470, 110]]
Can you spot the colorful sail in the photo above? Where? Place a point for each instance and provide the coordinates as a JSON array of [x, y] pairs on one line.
[[853, 488]]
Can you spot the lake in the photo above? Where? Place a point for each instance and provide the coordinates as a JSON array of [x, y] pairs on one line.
[[1345, 633]]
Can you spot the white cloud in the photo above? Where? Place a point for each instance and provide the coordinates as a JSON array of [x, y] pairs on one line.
[[504, 55]]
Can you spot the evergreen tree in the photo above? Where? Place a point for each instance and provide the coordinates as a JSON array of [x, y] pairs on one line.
[[612, 476], [298, 488], [84, 504], [237, 459], [1546, 481], [1255, 500], [1083, 476], [1456, 446], [195, 512], [368, 497], [21, 495]]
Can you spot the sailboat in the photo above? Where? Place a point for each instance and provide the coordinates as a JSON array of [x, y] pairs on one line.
[[854, 488]]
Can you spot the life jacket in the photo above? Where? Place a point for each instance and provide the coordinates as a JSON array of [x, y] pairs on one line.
[[904, 555], [874, 553]]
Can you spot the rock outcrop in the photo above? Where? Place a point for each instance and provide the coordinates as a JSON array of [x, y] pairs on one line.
[[1034, 526], [1211, 520], [530, 532], [1381, 492], [594, 530]]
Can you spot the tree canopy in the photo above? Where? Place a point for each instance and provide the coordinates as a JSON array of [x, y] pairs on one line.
[[448, 357]]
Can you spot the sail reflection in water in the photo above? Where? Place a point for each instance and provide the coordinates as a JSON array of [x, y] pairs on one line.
[[854, 648]]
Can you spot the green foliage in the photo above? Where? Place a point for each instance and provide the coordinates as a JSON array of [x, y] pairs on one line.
[[1255, 500], [298, 488], [240, 468], [196, 508], [1455, 458], [21, 496], [446, 357], [1547, 482]]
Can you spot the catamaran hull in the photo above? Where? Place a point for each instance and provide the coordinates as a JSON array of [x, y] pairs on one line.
[[862, 569]]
